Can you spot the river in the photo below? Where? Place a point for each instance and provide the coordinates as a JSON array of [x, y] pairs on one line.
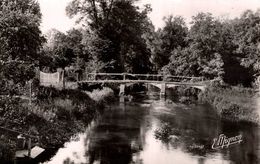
[[130, 133]]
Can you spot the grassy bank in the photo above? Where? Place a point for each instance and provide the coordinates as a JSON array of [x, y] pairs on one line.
[[55, 116], [232, 103]]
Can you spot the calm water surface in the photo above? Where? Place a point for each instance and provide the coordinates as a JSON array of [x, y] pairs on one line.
[[125, 134]]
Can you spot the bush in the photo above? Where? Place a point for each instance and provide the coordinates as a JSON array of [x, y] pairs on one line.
[[232, 103], [185, 100], [103, 95]]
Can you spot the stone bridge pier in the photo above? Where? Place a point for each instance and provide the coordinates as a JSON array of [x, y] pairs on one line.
[[162, 90], [164, 86], [122, 89], [161, 86], [122, 93]]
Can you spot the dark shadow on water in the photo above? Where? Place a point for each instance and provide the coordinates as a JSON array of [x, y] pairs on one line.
[[117, 137]]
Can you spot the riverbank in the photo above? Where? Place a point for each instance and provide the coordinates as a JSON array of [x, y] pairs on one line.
[[233, 103], [55, 116]]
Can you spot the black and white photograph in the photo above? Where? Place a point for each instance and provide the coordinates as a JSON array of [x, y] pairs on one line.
[[129, 81]]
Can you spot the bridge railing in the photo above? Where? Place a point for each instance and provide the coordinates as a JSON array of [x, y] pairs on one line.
[[144, 77]]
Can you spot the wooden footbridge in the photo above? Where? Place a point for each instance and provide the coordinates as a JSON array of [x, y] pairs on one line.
[[160, 81], [124, 79]]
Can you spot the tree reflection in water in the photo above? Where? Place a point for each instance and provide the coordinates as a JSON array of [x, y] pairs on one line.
[[186, 139], [116, 138], [195, 134]]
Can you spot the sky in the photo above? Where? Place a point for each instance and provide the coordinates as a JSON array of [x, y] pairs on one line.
[[54, 15]]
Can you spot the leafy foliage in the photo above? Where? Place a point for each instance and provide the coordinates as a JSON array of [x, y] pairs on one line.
[[20, 40], [217, 48], [58, 51], [121, 25], [172, 36], [247, 38], [20, 34]]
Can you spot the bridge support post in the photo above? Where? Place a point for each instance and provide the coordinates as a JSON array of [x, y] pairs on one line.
[[122, 92], [95, 76], [162, 92], [124, 76]]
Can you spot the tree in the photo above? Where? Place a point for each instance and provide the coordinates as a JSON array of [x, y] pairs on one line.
[[204, 38], [234, 72], [20, 39], [20, 36], [201, 56], [77, 48], [153, 43], [172, 35], [95, 13], [121, 24], [247, 40], [61, 49], [94, 47], [186, 62]]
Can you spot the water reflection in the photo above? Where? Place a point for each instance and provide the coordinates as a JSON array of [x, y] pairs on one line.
[[118, 136], [72, 153], [129, 134]]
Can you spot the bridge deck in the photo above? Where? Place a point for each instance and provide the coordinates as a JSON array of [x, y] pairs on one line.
[[143, 81], [155, 79]]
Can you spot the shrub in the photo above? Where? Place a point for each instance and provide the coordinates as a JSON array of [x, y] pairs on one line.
[[103, 95], [232, 103], [185, 100]]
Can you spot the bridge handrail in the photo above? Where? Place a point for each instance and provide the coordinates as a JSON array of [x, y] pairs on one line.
[[143, 75]]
